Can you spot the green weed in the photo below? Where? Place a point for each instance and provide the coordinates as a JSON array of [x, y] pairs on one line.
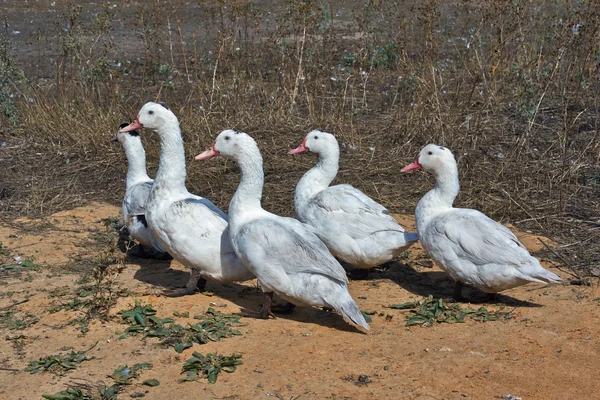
[[429, 311], [213, 326], [209, 366], [59, 364]]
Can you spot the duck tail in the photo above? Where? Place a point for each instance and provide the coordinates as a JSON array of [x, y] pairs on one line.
[[347, 308], [541, 275], [545, 276]]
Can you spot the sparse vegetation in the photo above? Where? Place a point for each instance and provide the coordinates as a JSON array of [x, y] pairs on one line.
[[209, 366], [58, 363], [16, 320], [213, 326], [429, 311]]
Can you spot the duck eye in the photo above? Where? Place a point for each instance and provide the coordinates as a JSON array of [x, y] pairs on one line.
[[316, 137], [430, 153], [150, 112], [227, 138]]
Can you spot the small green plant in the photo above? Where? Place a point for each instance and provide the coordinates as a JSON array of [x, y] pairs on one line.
[[142, 319], [4, 251], [17, 320], [213, 326], [209, 366], [58, 363], [124, 375], [426, 312], [70, 394]]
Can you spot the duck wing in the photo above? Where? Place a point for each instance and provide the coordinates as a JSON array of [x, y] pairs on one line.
[[354, 212], [288, 245], [472, 235]]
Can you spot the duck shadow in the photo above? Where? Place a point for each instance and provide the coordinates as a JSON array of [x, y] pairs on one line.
[[439, 285], [248, 298]]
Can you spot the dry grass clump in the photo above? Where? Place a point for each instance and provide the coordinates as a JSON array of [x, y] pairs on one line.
[[510, 86]]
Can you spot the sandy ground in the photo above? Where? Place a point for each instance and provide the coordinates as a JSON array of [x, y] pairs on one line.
[[548, 349]]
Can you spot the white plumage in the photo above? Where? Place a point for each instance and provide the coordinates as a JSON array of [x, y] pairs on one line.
[[285, 255], [355, 228], [137, 188], [471, 247], [191, 228]]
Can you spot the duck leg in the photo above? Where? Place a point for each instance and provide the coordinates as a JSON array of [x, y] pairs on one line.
[[457, 295], [195, 283], [265, 311], [324, 312], [487, 298], [358, 274], [287, 308]]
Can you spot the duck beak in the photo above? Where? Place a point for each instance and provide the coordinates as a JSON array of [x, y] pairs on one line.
[[412, 166], [211, 152], [133, 126], [300, 149]]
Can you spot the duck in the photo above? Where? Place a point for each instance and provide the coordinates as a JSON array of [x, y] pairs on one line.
[[191, 228], [355, 228], [473, 248], [137, 187], [286, 255]]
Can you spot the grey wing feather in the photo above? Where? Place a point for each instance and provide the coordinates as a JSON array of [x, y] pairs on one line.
[[479, 238], [294, 246], [136, 198], [357, 214], [186, 206]]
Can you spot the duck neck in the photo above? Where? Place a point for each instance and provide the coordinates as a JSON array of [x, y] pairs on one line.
[[136, 163], [440, 198], [249, 192], [171, 167], [318, 178]]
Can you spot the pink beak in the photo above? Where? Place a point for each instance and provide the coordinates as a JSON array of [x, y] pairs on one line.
[[211, 152], [412, 166], [132, 126], [300, 149]]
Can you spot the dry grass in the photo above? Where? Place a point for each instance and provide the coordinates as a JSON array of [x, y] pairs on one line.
[[510, 86]]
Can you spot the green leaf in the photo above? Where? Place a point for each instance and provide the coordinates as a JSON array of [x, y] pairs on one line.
[[180, 347], [151, 382], [27, 263]]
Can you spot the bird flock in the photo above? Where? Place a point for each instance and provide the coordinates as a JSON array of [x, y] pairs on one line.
[[301, 259]]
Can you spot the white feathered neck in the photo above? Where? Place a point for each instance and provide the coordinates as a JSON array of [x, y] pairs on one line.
[[136, 161], [441, 197], [171, 167], [247, 197], [319, 177]]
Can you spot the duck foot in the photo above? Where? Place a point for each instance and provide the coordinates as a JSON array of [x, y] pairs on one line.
[[457, 295], [179, 292], [194, 285], [265, 311], [324, 312], [287, 308], [201, 284], [358, 274]]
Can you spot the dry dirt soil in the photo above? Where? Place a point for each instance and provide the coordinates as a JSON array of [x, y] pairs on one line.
[[547, 349]]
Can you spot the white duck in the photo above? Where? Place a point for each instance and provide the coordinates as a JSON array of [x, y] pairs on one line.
[[471, 247], [355, 228], [286, 255], [137, 187], [191, 228]]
